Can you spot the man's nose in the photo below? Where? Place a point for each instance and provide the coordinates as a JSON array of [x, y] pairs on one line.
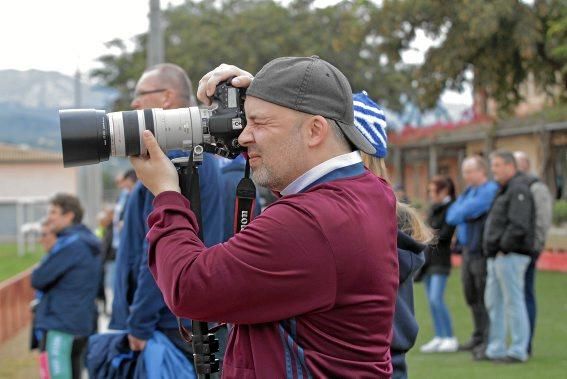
[[245, 138]]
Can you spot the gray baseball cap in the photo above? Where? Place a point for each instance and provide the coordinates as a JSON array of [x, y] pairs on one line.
[[313, 86]]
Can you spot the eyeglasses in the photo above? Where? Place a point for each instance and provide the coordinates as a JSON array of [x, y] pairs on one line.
[[144, 93]]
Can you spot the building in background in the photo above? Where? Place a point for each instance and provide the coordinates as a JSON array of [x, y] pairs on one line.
[[28, 178], [418, 154]]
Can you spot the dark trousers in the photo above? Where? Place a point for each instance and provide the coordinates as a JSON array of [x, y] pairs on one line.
[[78, 355], [529, 289], [473, 275]]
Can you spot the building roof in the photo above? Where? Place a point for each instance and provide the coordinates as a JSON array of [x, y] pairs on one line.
[[21, 154], [448, 134]]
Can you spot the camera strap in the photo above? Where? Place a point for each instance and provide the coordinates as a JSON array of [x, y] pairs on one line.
[[243, 213], [245, 201]]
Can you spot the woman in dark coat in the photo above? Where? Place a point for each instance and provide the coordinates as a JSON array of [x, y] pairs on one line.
[[438, 266]]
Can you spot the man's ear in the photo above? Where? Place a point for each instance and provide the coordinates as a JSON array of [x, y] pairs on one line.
[[69, 217], [318, 130]]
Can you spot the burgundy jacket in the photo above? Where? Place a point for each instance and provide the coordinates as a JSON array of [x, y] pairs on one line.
[[310, 284]]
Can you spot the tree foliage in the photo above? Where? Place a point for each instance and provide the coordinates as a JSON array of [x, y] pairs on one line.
[[501, 42], [249, 33]]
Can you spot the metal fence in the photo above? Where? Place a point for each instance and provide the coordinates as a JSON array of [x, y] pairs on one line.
[[19, 220]]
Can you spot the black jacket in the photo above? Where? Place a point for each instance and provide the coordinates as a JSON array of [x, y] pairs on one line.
[[438, 256], [510, 226]]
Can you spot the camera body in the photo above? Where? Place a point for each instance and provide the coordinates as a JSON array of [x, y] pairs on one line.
[[91, 136], [227, 120]]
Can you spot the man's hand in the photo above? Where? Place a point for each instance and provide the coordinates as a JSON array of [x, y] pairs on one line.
[[136, 344], [209, 82], [155, 171]]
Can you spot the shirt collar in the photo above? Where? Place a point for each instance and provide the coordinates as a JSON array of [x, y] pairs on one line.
[[321, 170]]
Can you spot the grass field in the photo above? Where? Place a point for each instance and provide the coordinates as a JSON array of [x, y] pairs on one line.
[[550, 346], [11, 263]]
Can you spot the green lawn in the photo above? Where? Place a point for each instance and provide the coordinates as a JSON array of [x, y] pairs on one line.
[[550, 346], [11, 263]]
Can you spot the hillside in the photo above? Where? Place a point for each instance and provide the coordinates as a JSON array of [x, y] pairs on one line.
[[29, 101]]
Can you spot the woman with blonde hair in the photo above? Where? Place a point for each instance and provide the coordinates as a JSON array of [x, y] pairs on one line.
[[413, 234]]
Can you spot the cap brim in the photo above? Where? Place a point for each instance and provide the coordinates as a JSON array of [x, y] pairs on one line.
[[356, 138]]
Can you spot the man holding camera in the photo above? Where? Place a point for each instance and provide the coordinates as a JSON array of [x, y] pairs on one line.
[[309, 288]]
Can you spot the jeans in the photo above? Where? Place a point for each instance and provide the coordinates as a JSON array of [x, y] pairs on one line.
[[506, 305], [109, 274], [531, 305], [435, 289]]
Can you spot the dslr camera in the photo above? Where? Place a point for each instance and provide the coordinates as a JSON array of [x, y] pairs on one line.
[[91, 136]]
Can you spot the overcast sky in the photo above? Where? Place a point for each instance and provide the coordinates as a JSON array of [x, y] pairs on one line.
[[66, 35]]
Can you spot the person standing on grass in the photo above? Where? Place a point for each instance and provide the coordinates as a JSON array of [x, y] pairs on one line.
[[509, 235], [68, 279], [469, 213], [438, 266], [543, 203]]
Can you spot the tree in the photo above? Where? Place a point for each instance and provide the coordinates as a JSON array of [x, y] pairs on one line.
[[501, 42], [249, 33]]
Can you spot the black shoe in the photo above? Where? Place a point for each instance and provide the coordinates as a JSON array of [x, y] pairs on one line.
[[468, 346], [479, 349], [507, 360], [480, 355]]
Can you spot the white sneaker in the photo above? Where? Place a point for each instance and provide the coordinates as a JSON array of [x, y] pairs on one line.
[[431, 346], [448, 345]]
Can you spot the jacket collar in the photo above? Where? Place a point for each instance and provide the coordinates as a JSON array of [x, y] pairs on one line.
[[322, 170]]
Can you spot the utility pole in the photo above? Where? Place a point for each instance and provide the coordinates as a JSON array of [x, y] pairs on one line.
[[156, 51], [89, 188]]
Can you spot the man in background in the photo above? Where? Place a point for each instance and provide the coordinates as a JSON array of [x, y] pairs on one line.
[[469, 213], [508, 242], [125, 182], [138, 305], [543, 203]]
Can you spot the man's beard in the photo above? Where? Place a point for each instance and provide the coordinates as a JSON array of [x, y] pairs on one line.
[[267, 175]]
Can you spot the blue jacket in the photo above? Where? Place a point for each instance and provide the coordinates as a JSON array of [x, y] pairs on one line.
[[470, 207], [138, 305], [163, 360], [232, 172], [410, 259], [108, 356], [68, 278]]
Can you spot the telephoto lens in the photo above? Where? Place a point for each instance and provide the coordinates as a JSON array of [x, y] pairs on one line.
[[84, 136], [90, 136]]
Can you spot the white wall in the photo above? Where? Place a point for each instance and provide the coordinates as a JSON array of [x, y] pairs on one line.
[[36, 179]]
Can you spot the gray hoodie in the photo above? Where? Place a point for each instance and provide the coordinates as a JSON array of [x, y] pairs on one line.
[[543, 211]]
